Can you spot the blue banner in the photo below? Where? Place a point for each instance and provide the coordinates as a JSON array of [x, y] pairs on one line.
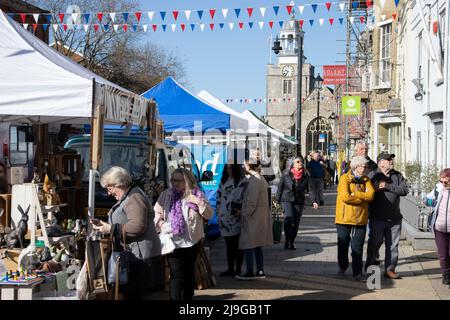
[[212, 158]]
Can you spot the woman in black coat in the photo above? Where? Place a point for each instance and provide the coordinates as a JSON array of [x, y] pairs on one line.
[[291, 196]]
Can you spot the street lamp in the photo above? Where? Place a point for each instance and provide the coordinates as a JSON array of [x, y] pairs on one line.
[[318, 83], [299, 36]]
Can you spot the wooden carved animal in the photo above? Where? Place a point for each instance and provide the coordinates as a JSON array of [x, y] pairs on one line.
[[17, 236]]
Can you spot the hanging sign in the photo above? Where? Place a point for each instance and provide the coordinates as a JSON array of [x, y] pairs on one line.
[[322, 137], [351, 105], [335, 74]]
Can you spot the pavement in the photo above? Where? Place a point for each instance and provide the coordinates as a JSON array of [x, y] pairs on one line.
[[310, 272]]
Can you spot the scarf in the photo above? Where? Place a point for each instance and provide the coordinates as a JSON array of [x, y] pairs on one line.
[[176, 211], [297, 173]]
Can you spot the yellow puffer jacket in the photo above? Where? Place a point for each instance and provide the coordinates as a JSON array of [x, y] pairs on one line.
[[352, 204]]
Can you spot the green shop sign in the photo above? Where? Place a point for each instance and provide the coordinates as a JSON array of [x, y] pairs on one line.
[[351, 106]]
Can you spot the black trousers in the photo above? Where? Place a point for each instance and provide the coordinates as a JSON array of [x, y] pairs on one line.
[[182, 272], [354, 235], [293, 213], [235, 257]]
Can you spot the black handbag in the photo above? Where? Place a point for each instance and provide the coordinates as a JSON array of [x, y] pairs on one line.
[[120, 260]]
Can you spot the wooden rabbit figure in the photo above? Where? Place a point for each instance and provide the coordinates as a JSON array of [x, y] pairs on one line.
[[18, 234]]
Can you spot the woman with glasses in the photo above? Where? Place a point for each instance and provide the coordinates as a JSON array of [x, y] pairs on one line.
[[355, 191], [229, 197], [133, 215], [181, 212], [439, 199], [291, 196]]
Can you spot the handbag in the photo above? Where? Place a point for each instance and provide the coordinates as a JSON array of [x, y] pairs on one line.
[[167, 244], [119, 262]]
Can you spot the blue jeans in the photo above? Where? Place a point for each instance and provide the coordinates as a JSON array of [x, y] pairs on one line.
[[354, 235], [259, 259]]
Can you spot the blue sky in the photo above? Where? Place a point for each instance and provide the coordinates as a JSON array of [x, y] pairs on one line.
[[232, 64]]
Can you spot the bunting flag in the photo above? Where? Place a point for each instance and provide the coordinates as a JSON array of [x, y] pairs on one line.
[[23, 18], [342, 6], [211, 26], [55, 27], [261, 24], [154, 27], [362, 19], [212, 12], [238, 12], [263, 11], [341, 20], [164, 27], [86, 27], [134, 27], [271, 24], [250, 24], [163, 16], [221, 26], [74, 17], [150, 15], [383, 17], [45, 27], [188, 14], [25, 26], [314, 8], [281, 23], [100, 17], [249, 12], [394, 16], [396, 3], [112, 15], [224, 13], [289, 9], [173, 26], [175, 15], [106, 27], [125, 27], [311, 22], [49, 18], [36, 17], [301, 8], [61, 17], [202, 26], [241, 25], [200, 14], [144, 27], [321, 21], [328, 5], [275, 10], [192, 26], [125, 16], [138, 16], [183, 26], [231, 25], [352, 19], [355, 4], [382, 2], [331, 21], [369, 4], [65, 27], [95, 27], [301, 22], [116, 27]]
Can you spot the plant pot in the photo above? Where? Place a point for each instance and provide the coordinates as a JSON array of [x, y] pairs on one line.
[[277, 229]]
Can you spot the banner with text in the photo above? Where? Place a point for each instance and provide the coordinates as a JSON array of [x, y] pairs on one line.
[[335, 74]]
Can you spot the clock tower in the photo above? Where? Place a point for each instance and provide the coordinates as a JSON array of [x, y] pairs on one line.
[[282, 80]]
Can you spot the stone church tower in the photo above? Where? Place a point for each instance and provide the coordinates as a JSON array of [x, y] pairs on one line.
[[282, 83]]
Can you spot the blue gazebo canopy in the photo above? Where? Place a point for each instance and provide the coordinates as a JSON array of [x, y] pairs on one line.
[[179, 109]]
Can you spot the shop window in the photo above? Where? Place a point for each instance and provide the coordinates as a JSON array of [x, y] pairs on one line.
[[18, 145]]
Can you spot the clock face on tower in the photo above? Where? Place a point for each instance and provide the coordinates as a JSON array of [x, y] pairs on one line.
[[287, 71]]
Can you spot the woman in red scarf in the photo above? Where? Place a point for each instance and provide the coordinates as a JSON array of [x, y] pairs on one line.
[[291, 196]]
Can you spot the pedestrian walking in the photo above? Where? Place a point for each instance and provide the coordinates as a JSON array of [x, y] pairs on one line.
[[256, 220], [332, 170], [229, 197], [439, 199], [385, 218], [316, 175], [291, 196], [362, 149], [355, 191], [181, 212]]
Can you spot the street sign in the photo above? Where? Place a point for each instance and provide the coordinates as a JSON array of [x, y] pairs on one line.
[[322, 137], [332, 148], [351, 105]]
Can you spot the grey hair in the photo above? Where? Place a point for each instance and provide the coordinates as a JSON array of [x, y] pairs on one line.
[[297, 158], [359, 143], [116, 176], [357, 162]]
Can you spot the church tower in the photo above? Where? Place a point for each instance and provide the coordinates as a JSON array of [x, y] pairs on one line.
[[281, 80]]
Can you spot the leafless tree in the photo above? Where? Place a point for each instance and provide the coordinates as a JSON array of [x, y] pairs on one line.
[[118, 56]]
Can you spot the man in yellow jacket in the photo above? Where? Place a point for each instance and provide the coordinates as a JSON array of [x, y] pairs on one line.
[[355, 191]]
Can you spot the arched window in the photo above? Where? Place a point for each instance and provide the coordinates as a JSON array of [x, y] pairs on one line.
[[318, 138]]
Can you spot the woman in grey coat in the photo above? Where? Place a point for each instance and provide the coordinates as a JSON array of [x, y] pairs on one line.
[[133, 214]]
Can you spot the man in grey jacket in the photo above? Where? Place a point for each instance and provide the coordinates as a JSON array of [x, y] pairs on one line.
[[385, 218]]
